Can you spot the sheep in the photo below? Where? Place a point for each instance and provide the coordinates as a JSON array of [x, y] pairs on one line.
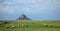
[[23, 25], [50, 25], [0, 24], [5, 22], [26, 25], [7, 27], [12, 26], [45, 25]]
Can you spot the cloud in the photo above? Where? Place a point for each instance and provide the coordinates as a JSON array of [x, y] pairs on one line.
[[1, 1], [7, 9], [33, 1], [26, 8], [30, 7]]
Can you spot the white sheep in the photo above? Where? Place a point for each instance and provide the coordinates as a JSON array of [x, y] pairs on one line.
[[7, 26], [50, 25], [13, 26], [23, 25], [45, 25]]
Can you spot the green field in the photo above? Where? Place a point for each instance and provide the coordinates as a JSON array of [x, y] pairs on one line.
[[32, 25]]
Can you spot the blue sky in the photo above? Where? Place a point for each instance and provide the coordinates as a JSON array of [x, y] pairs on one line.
[[34, 9]]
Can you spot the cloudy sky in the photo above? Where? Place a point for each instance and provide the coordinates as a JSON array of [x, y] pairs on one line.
[[34, 9]]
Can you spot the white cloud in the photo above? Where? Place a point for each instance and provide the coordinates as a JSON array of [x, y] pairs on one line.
[[44, 5], [26, 8], [35, 6], [33, 1], [39, 0], [8, 3], [8, 9]]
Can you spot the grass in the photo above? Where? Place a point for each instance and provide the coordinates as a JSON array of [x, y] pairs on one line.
[[32, 26]]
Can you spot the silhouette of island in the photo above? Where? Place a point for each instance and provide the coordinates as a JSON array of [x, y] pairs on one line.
[[23, 17]]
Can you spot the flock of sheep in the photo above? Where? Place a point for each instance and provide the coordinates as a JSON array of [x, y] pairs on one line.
[[48, 25], [26, 25], [12, 26], [23, 25]]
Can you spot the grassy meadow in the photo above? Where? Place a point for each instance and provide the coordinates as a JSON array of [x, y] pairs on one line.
[[32, 25]]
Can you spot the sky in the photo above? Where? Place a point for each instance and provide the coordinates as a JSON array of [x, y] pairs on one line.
[[34, 9]]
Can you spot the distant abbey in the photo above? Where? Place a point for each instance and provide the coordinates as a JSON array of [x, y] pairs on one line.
[[23, 17]]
